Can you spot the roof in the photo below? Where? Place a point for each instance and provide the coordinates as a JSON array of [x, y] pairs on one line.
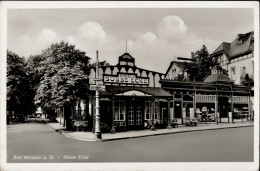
[[243, 44], [214, 78], [153, 91], [126, 57], [224, 47], [217, 67], [181, 65]]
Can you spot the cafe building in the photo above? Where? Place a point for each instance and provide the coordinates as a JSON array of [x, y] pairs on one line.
[[210, 101], [133, 97]]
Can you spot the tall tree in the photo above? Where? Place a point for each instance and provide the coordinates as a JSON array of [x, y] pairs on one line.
[[200, 68], [35, 68], [19, 93], [65, 78]]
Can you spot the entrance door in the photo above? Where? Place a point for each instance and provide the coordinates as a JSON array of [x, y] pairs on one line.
[[223, 107], [135, 115], [164, 114], [177, 110]]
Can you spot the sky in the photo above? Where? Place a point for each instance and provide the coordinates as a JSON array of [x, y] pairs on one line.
[[155, 36]]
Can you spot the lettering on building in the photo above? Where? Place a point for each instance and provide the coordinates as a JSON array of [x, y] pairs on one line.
[[126, 79]]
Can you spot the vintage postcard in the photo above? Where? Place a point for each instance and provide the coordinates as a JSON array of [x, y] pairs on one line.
[[113, 85]]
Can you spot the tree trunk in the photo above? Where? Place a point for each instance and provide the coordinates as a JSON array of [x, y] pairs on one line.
[[67, 114]]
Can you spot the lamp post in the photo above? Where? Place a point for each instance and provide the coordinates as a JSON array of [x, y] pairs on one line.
[[97, 120]]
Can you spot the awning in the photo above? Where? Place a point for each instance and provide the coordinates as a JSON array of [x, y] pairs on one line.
[[135, 91]]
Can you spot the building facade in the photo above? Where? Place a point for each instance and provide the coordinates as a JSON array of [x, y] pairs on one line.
[[177, 71], [217, 99], [136, 98], [133, 97], [237, 57]]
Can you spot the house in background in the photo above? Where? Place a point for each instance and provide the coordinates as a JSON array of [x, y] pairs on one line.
[[38, 113], [177, 70], [237, 58]]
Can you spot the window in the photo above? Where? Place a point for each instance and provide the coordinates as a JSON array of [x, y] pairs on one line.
[[173, 73], [130, 63], [119, 110], [139, 116], [148, 110], [131, 115], [233, 73], [243, 71], [219, 59], [122, 63]]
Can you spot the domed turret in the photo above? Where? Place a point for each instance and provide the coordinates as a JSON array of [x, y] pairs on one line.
[[218, 75]]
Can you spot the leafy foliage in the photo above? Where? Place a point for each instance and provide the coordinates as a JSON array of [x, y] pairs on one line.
[[199, 69], [19, 93], [35, 69], [64, 77]]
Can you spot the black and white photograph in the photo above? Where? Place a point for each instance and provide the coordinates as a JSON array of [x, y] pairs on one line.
[[130, 85]]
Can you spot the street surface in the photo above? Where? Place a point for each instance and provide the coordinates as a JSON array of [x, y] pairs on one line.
[[37, 143]]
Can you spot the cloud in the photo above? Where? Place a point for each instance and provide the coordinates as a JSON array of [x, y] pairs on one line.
[[91, 37], [46, 36], [149, 37], [92, 31], [153, 50], [171, 38], [31, 44], [171, 27]]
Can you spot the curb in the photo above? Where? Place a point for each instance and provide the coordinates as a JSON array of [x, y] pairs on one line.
[[82, 139], [140, 136], [66, 135], [166, 133], [57, 130]]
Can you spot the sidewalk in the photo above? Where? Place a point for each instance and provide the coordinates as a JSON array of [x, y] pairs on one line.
[[89, 136]]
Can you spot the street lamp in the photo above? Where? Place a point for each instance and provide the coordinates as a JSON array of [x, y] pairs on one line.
[[97, 123]]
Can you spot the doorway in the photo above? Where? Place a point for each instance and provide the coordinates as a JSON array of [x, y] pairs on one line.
[[177, 109], [135, 114]]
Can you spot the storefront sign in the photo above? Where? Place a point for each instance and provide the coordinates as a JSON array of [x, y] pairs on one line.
[[126, 79], [97, 87]]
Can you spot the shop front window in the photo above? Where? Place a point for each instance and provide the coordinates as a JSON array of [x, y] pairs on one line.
[[131, 115], [119, 110], [139, 116], [148, 110]]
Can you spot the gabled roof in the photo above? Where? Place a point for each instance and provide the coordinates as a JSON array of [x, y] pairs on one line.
[[243, 44], [240, 49], [224, 48], [180, 65], [127, 58]]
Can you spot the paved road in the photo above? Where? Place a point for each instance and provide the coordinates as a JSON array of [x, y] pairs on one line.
[[34, 140]]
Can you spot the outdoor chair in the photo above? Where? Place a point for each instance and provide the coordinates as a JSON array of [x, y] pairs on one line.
[[174, 123]]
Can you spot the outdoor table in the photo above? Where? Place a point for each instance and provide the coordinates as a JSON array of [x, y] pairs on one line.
[[80, 124]]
